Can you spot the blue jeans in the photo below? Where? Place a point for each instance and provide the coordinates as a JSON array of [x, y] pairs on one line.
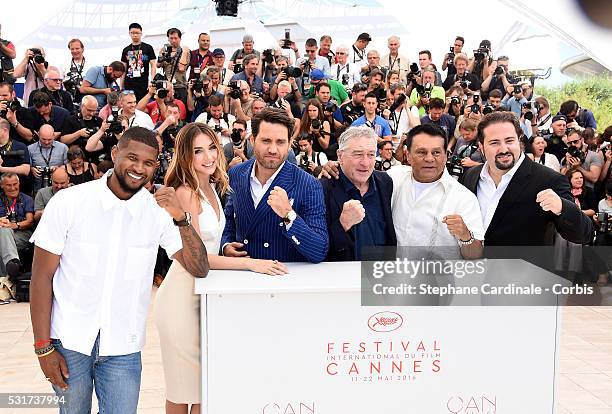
[[116, 380]]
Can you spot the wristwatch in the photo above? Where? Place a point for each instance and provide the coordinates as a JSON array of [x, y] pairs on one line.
[[288, 219], [184, 222], [466, 242]]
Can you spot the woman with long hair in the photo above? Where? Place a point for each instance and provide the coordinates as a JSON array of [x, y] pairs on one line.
[[79, 171], [314, 123], [197, 173]]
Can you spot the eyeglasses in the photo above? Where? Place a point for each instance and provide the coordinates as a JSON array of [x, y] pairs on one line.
[[574, 141], [311, 51], [55, 79], [340, 53]]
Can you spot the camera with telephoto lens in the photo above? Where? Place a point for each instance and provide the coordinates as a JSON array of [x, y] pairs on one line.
[[454, 167], [114, 126], [350, 113], [424, 90], [38, 57], [292, 72], [382, 165], [604, 221], [160, 83], [72, 82], [576, 153], [517, 89], [316, 124], [45, 176], [12, 105], [166, 54], [399, 101], [235, 91], [238, 67], [488, 109], [268, 56], [236, 137], [11, 154]]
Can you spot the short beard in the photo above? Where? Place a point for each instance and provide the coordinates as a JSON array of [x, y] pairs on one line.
[[124, 186], [505, 167]]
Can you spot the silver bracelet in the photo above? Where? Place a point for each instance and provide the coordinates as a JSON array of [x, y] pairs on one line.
[[465, 243]]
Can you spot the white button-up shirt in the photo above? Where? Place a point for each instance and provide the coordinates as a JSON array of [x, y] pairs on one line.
[[258, 190], [489, 195], [418, 217], [107, 250], [140, 118]]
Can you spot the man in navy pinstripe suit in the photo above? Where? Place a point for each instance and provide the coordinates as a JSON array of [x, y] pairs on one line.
[[275, 210]]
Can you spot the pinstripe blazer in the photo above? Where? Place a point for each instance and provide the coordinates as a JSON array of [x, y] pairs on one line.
[[262, 231]]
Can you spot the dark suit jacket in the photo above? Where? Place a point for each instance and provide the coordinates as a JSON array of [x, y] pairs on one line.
[[262, 231], [342, 243], [520, 221]]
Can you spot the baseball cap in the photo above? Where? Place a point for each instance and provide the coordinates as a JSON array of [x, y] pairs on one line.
[[364, 36], [218, 52], [318, 74], [559, 118]]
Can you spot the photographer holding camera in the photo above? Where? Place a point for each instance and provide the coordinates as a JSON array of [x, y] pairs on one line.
[[139, 60], [225, 74], [201, 58], [581, 158], [46, 155], [107, 136], [557, 138], [102, 80], [286, 100], [33, 68], [498, 76], [422, 94], [479, 64], [77, 129], [358, 54], [448, 64], [15, 114], [514, 99], [169, 127], [199, 92], [402, 115], [155, 105], [287, 73], [425, 62], [73, 77], [372, 120], [236, 63], [173, 59], [218, 120], [135, 117], [53, 87], [313, 123], [308, 159], [7, 54], [461, 77], [577, 117], [44, 112], [249, 75], [345, 72], [373, 59], [353, 109], [238, 100], [437, 116]]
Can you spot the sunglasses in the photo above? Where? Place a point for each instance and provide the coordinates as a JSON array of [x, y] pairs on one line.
[[39, 105], [127, 92], [574, 141]]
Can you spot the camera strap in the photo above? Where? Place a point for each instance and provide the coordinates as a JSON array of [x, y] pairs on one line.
[[395, 124], [338, 70], [78, 68], [176, 60], [392, 64], [45, 159], [545, 120], [358, 53]]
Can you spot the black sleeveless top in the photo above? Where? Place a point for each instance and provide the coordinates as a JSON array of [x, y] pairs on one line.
[[88, 175]]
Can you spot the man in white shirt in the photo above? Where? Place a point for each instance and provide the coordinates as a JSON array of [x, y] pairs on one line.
[[135, 116], [358, 54], [344, 71], [217, 119], [430, 208], [96, 247], [394, 60]]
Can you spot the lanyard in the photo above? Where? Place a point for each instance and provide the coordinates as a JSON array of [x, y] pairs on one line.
[[359, 53], [391, 65], [79, 69], [338, 69], [396, 119], [47, 160], [10, 210]]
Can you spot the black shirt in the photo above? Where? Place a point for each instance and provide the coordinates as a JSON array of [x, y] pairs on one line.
[[474, 82], [75, 122], [58, 116], [137, 58], [16, 161], [24, 117], [59, 98]]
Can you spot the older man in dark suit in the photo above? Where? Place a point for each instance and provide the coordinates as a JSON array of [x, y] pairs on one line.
[[521, 201], [275, 210], [358, 203]]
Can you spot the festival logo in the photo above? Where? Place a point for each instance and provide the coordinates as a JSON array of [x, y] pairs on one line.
[[385, 321], [472, 404], [294, 407]]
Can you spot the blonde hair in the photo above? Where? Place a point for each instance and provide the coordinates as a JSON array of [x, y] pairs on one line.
[[181, 170]]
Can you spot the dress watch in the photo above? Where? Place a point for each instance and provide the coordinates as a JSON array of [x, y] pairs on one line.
[[288, 219], [184, 222]]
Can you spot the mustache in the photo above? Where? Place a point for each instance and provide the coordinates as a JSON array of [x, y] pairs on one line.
[[503, 154]]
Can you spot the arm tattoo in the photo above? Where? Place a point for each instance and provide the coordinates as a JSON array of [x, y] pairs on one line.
[[194, 255]]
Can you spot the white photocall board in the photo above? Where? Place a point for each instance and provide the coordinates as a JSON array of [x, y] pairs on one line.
[[303, 344]]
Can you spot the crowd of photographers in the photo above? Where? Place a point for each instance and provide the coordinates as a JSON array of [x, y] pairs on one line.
[[61, 131]]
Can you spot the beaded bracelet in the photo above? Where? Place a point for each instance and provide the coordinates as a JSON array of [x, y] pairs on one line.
[[44, 350], [46, 353]]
